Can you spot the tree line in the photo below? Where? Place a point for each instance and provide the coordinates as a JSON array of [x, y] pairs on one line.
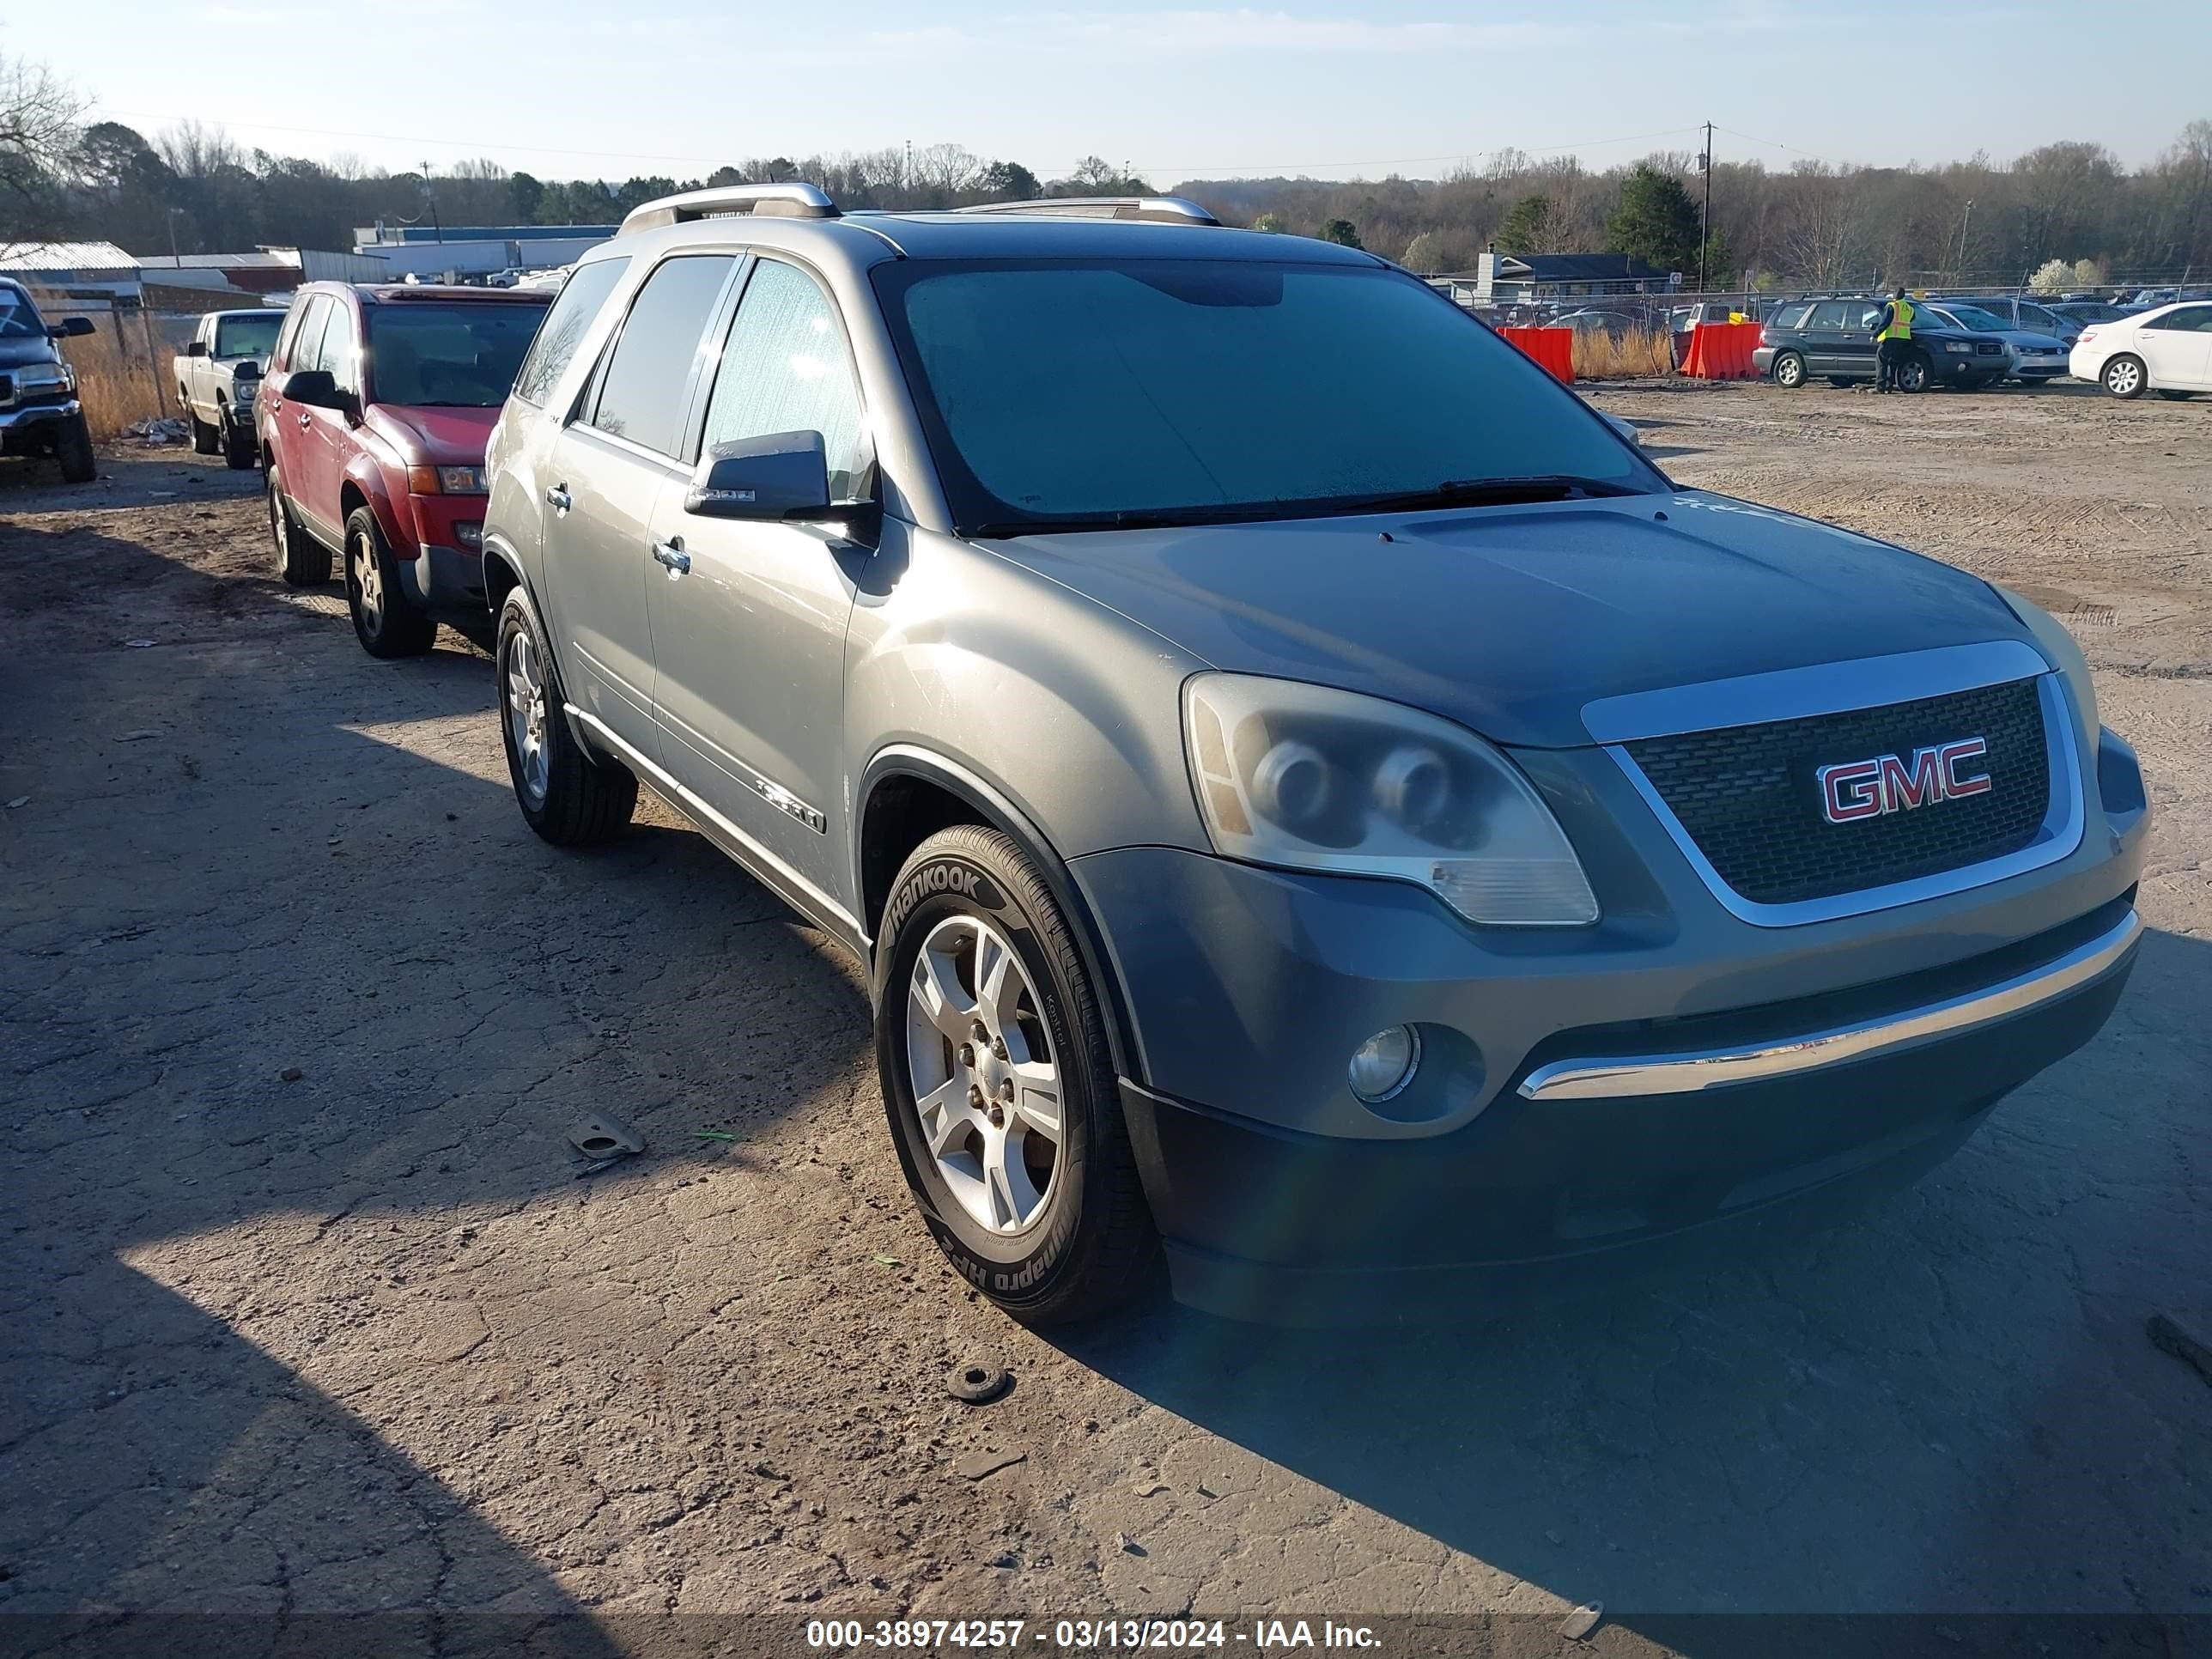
[[1975, 221], [194, 188]]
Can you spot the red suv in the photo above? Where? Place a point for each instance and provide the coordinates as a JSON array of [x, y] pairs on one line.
[[374, 417]]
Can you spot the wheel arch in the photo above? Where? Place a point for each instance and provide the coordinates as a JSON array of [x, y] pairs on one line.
[[906, 794], [363, 486]]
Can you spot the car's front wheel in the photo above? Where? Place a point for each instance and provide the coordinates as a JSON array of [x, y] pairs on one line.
[[205, 438], [991, 1045], [2125, 377], [1912, 374], [566, 796], [73, 449], [241, 450], [385, 620], [1789, 371]]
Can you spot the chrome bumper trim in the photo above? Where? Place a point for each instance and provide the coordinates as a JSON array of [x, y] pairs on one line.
[[31, 414], [1766, 1062]]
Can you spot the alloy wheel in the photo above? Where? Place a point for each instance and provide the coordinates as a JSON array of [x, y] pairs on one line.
[[2123, 378], [526, 715], [983, 1074], [368, 586]]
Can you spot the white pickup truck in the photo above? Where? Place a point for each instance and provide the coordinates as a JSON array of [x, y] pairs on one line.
[[218, 374]]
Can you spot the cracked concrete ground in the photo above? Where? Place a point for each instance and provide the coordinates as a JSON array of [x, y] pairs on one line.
[[362, 1340]]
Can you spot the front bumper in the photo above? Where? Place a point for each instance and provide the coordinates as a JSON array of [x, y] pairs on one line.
[[2029, 367], [1583, 1088], [20, 418], [1951, 368]]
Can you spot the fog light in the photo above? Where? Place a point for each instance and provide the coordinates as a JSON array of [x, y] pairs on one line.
[[1383, 1065], [468, 533]]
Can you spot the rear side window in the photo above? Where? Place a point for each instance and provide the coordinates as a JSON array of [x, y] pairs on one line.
[[1832, 314], [785, 369], [640, 396], [564, 327], [1792, 316], [307, 337]]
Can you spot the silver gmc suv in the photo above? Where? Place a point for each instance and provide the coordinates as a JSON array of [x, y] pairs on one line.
[[1317, 805]]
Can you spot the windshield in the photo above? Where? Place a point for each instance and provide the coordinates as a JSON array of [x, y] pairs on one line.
[[17, 320], [1972, 316], [1195, 389], [457, 355], [247, 336]]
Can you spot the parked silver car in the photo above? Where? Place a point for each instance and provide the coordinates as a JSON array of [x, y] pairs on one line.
[[1309, 795]]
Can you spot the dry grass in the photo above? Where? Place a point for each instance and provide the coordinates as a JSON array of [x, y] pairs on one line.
[[116, 378], [1636, 354]]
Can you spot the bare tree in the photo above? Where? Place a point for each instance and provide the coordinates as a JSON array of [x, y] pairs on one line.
[[38, 130]]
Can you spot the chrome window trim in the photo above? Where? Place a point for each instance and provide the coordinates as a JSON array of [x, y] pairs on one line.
[[1828, 688], [2060, 833], [1764, 1062]]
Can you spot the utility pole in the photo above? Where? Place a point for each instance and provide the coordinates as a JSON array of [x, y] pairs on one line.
[[1706, 218], [1958, 265], [175, 258], [437, 230]]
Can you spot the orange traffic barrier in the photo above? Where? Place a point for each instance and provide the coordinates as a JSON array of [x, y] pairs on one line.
[[1551, 348], [1721, 351]]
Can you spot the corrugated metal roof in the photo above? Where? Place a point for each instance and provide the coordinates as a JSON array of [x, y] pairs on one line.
[[261, 259], [65, 256]]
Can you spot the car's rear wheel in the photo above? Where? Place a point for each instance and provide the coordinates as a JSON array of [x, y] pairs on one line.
[[302, 560], [1913, 373], [568, 797], [991, 1045], [2125, 376], [385, 620], [73, 449], [1789, 371]]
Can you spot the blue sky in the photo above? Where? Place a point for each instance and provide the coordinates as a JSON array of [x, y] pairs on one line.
[[615, 87]]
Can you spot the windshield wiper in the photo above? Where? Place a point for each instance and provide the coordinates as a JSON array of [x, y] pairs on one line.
[[1452, 492], [1491, 492]]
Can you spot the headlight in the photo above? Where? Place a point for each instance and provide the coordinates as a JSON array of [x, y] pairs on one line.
[[1958, 346], [45, 375], [446, 480], [2055, 643], [1313, 779]]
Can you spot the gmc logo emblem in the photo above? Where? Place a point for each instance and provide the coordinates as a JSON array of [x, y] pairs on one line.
[[1851, 790]]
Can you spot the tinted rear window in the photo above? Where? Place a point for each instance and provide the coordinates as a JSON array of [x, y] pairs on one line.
[[462, 355], [565, 325], [641, 399]]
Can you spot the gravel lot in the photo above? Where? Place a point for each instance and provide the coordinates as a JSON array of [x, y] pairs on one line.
[[363, 1340]]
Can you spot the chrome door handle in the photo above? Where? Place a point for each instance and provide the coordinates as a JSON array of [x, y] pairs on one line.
[[557, 498], [673, 557], [305, 423]]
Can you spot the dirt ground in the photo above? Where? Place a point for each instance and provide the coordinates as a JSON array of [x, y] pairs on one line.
[[363, 1340]]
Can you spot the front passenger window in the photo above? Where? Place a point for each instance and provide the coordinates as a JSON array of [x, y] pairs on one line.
[[642, 398], [786, 368]]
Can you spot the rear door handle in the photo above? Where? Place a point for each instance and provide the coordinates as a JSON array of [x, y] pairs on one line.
[[677, 560], [305, 423], [557, 498]]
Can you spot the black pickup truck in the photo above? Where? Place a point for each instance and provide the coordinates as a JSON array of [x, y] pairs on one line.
[[39, 414], [1833, 339]]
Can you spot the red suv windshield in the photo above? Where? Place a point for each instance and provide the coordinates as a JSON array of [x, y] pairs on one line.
[[463, 356]]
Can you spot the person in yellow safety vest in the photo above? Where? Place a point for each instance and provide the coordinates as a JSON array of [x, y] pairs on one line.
[[1891, 341]]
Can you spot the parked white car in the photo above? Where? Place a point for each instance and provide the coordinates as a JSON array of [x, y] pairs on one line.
[[2168, 350]]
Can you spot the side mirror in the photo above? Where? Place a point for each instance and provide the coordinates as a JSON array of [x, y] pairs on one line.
[[781, 476], [316, 389], [197, 349], [71, 328], [1629, 431]]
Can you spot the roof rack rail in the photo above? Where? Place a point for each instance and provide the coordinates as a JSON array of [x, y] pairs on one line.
[[1169, 210], [790, 201]]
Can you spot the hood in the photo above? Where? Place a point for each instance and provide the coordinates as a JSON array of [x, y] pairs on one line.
[[434, 436], [30, 350], [1507, 620]]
